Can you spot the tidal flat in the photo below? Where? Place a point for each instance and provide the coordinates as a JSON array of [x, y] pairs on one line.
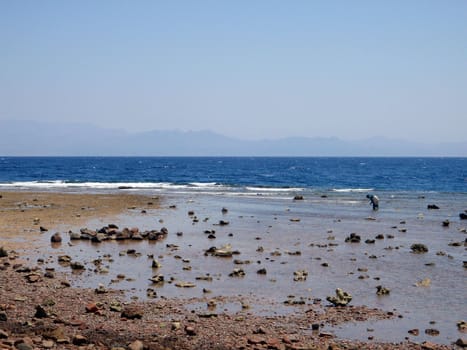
[[282, 259]]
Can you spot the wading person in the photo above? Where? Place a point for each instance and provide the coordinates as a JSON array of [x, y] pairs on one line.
[[374, 200]]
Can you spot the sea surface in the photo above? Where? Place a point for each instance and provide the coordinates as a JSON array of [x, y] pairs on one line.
[[268, 227]]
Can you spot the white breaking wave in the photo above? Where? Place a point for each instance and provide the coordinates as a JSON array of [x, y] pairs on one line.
[[274, 189], [352, 189]]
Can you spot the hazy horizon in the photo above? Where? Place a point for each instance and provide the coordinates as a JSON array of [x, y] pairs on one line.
[[247, 70]]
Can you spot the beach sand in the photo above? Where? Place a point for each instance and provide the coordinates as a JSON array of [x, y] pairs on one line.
[[41, 306]]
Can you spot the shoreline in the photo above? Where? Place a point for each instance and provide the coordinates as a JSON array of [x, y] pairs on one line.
[[165, 322]]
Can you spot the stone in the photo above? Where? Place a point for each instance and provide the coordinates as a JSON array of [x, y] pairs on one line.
[[341, 299], [237, 273], [40, 312], [3, 316], [136, 345], [461, 342], [353, 238], [100, 289], [262, 271], [446, 223], [48, 344], [419, 248], [3, 334], [92, 308], [426, 282], [432, 331], [75, 265], [414, 332], [33, 277], [432, 206], [380, 290], [3, 253], [463, 216], [132, 312], [23, 346], [56, 238], [300, 275], [298, 198], [190, 331], [79, 340]]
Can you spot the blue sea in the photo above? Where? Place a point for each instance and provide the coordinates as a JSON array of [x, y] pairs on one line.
[[236, 175], [259, 193]]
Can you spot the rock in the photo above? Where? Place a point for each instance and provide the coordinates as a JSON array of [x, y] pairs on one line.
[[100, 289], [155, 264], [256, 340], [136, 345], [446, 223], [370, 241], [300, 275], [353, 238], [3, 253], [461, 342], [48, 344], [33, 277], [432, 206], [223, 222], [380, 290], [92, 308], [64, 259], [56, 238], [40, 312], [3, 334], [224, 210], [237, 273], [414, 332], [298, 198], [76, 265], [132, 312], [181, 284], [463, 216], [432, 331], [341, 299], [261, 271], [23, 346], [190, 331], [427, 345], [426, 282], [419, 248], [79, 340], [157, 279], [3, 316]]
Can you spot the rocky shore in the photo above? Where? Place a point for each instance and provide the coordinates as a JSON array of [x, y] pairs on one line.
[[41, 308]]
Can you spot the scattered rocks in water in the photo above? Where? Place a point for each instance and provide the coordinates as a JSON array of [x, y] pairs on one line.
[[380, 290], [353, 238], [300, 275], [419, 248], [341, 298], [298, 198], [432, 206], [414, 331]]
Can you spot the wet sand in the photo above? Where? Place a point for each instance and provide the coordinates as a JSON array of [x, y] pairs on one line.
[[256, 311]]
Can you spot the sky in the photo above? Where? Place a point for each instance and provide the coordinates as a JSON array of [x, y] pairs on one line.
[[254, 69]]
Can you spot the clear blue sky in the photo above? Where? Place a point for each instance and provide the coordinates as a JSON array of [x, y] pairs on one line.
[[249, 69]]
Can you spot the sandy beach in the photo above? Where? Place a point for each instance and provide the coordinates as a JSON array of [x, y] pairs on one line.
[[46, 304]]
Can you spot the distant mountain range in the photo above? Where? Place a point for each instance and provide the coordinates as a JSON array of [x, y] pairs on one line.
[[32, 138]]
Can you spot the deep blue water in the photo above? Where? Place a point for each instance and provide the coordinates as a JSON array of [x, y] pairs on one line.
[[379, 174]]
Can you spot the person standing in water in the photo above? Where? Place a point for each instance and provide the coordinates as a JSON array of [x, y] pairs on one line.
[[374, 200]]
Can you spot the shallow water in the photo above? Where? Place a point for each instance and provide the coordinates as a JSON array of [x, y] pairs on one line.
[[265, 221]]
